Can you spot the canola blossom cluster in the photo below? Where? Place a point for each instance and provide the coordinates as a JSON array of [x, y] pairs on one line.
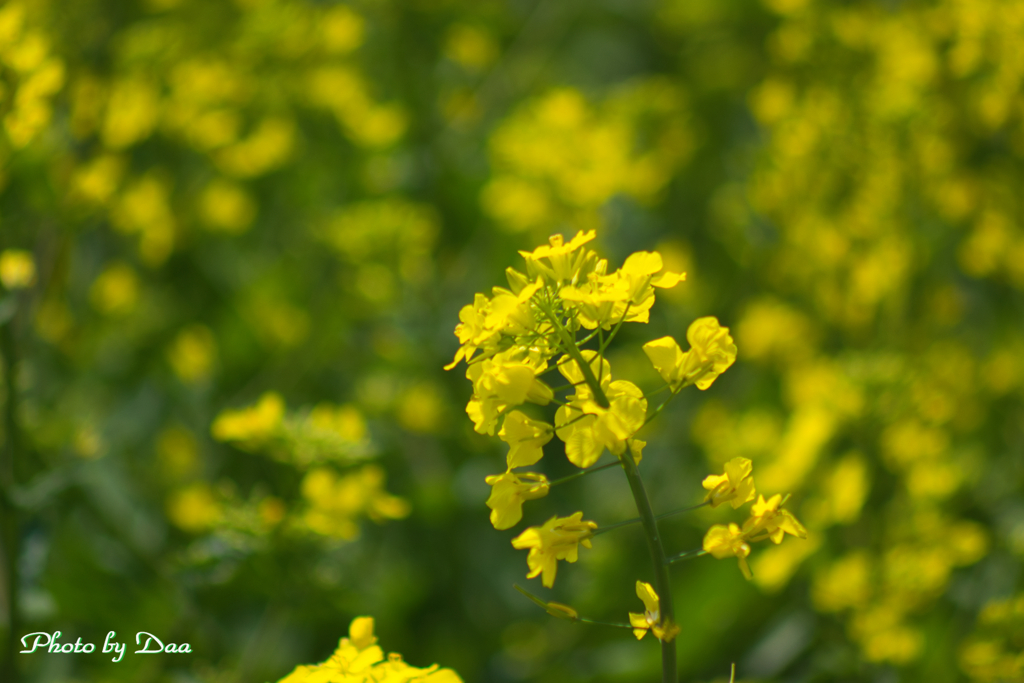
[[566, 300], [328, 445], [359, 659], [768, 519]]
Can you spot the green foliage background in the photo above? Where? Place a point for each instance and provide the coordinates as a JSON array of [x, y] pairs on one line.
[[297, 196]]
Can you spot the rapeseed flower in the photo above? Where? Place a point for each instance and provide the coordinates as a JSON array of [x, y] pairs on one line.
[[502, 381], [17, 269], [587, 428], [735, 487], [768, 518], [651, 619], [508, 493], [359, 659], [558, 539], [559, 262], [728, 541], [625, 295], [711, 353], [525, 438]]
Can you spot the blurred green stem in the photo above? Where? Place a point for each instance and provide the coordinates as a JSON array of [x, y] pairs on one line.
[[662, 585], [635, 520], [576, 475], [9, 526], [643, 505]]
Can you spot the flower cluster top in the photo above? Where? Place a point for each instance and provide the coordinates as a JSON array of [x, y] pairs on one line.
[[567, 299], [359, 659]]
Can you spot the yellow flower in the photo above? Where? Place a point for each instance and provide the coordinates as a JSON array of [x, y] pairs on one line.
[[17, 269], [557, 539], [767, 517], [651, 620], [711, 352], [525, 438], [735, 487], [195, 508], [728, 541], [359, 659], [627, 294], [483, 321], [334, 502], [669, 360], [565, 262], [712, 344], [508, 493], [587, 428], [506, 379], [253, 424]]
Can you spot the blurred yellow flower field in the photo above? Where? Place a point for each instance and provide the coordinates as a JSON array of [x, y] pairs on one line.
[[237, 236]]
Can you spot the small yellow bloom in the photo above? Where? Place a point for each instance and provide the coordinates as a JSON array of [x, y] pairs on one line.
[[728, 541], [564, 261], [359, 658], [525, 438], [712, 344], [115, 291], [558, 539], [253, 424], [587, 428], [508, 493], [17, 269], [502, 381], [711, 352], [767, 517], [195, 508], [735, 487], [651, 619], [483, 321]]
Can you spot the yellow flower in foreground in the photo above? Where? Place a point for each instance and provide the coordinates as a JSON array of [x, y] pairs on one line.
[[557, 539], [525, 438], [17, 269], [767, 517], [735, 487], [587, 428], [505, 380], [359, 659], [651, 620], [712, 344], [509, 492], [711, 353], [563, 260], [728, 541]]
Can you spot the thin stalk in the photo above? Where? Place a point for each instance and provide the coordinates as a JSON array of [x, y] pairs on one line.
[[688, 555], [635, 520], [615, 330], [565, 612], [581, 473], [574, 353], [662, 584], [9, 527]]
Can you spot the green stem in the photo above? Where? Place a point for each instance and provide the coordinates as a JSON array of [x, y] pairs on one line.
[[9, 527], [662, 584], [615, 330], [581, 473], [573, 351], [688, 555], [635, 520]]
